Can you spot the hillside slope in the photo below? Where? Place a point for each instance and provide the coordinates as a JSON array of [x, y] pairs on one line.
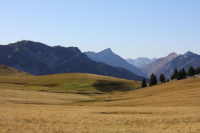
[[80, 83], [170, 94], [9, 71]]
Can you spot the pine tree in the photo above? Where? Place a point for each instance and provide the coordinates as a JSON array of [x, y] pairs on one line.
[[174, 76], [155, 80], [197, 70], [179, 76], [167, 80], [144, 84], [162, 78], [191, 71], [151, 80], [183, 73]]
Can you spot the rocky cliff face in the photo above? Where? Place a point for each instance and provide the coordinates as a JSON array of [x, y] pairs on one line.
[[40, 59]]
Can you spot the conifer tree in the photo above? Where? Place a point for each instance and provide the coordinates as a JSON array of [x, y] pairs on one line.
[[167, 80], [191, 71], [155, 80], [179, 76], [183, 73], [162, 78], [144, 84], [174, 76], [197, 70], [151, 80]]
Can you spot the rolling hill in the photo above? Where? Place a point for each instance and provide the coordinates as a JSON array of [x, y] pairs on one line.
[[9, 71], [80, 83]]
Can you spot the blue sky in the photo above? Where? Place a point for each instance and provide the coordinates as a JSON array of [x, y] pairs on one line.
[[131, 28]]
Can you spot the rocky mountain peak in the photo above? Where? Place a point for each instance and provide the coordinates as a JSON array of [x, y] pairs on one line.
[[108, 50], [104, 52], [173, 53], [188, 53]]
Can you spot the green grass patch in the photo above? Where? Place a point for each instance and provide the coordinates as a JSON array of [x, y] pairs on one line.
[[80, 83]]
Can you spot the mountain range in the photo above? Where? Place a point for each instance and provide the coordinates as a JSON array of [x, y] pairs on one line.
[[109, 57], [40, 59], [140, 62], [166, 65]]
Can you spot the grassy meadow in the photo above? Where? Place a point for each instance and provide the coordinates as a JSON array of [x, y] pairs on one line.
[[87, 103]]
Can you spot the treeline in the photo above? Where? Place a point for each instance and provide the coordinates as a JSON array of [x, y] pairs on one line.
[[153, 80], [182, 74], [176, 75]]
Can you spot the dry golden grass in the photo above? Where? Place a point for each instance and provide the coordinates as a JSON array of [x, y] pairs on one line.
[[172, 107], [176, 93], [73, 119], [31, 97]]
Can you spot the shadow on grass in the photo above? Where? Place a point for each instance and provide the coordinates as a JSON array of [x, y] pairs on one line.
[[108, 86]]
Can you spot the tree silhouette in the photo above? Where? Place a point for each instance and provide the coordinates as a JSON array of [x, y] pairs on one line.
[[191, 71], [179, 76], [174, 76], [183, 73], [144, 84], [162, 78]]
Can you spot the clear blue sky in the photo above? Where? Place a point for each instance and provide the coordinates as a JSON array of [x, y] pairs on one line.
[[131, 28]]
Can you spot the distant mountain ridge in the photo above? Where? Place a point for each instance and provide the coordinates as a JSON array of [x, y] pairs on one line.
[[140, 62], [158, 64], [112, 59], [40, 59], [167, 64]]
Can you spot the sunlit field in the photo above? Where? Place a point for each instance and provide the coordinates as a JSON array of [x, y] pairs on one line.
[[39, 104]]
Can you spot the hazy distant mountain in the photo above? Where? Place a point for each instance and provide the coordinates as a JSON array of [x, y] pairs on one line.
[[112, 59], [167, 64], [188, 53], [40, 59], [158, 64], [140, 62], [183, 61]]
